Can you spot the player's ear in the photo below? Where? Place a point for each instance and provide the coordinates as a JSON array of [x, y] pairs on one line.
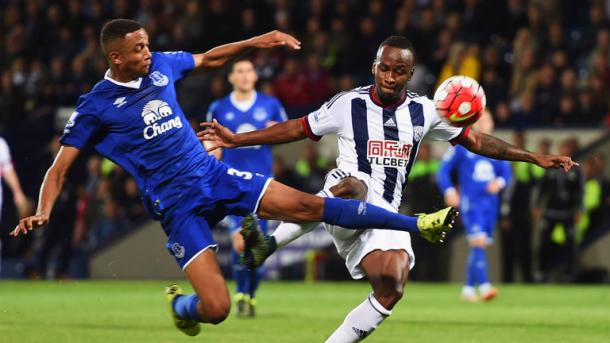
[[114, 57], [373, 67], [411, 74]]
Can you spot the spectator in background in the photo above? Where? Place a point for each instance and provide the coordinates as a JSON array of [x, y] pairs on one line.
[[312, 168], [284, 174], [516, 223], [546, 93], [463, 60], [558, 205], [291, 87]]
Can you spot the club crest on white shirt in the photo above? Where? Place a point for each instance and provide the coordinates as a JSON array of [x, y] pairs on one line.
[[418, 133], [159, 79]]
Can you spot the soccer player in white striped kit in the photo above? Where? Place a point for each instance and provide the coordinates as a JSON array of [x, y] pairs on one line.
[[7, 172], [379, 128]]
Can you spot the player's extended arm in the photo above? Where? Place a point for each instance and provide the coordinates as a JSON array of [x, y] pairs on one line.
[[10, 176], [49, 190], [490, 146], [218, 56], [219, 136]]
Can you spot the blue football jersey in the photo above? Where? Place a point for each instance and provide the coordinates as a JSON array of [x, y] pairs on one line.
[[264, 109], [474, 172], [140, 126]]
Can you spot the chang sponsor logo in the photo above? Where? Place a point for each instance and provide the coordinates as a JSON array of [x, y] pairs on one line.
[[153, 112]]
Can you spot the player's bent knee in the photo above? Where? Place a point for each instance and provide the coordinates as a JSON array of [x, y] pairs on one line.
[[215, 312], [388, 290]]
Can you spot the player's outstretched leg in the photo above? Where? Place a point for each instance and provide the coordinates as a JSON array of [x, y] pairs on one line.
[[285, 203], [178, 302]]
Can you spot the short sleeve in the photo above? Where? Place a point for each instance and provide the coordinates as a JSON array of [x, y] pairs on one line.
[[324, 121], [79, 129], [279, 115], [181, 62], [211, 111], [442, 131], [5, 156]]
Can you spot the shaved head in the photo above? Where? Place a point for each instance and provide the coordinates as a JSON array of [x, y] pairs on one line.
[[115, 30]]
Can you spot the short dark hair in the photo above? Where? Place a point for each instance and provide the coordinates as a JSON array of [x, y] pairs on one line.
[[117, 29], [401, 42], [238, 60]]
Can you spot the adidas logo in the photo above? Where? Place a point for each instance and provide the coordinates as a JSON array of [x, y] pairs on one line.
[[360, 333], [390, 123]]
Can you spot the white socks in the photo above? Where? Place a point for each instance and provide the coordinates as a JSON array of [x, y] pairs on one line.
[[360, 322], [288, 232]]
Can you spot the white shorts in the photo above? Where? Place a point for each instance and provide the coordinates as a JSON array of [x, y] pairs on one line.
[[354, 245]]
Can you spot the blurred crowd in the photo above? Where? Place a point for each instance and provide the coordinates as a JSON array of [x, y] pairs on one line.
[[542, 63]]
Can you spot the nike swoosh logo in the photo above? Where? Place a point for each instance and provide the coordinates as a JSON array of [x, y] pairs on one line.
[[454, 117]]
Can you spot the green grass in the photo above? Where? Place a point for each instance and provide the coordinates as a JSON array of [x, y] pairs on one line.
[[126, 311]]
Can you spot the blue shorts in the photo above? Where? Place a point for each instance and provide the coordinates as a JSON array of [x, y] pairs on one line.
[[189, 222], [480, 223]]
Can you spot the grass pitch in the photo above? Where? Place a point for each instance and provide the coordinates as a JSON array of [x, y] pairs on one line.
[[128, 311]]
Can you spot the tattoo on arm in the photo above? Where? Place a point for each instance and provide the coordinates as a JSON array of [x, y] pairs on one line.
[[493, 147]]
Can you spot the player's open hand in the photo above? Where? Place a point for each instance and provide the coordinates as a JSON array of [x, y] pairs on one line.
[[275, 38], [216, 136], [29, 223], [555, 161]]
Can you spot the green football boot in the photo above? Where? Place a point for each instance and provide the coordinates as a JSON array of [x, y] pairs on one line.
[[434, 226], [188, 326]]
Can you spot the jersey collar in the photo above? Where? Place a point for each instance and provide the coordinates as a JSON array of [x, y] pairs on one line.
[[135, 84], [245, 105], [378, 102]]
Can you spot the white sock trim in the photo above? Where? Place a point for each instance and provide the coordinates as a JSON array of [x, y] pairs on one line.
[[378, 307]]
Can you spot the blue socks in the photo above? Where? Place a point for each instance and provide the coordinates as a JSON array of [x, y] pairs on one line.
[[185, 306], [476, 271], [355, 214], [241, 274], [246, 281]]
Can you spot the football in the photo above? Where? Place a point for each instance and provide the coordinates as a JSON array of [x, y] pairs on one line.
[[460, 100]]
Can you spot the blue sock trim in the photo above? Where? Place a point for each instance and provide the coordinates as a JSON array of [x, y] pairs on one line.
[[354, 214], [185, 306]]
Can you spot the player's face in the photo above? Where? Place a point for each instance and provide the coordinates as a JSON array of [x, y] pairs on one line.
[[243, 76], [392, 68], [134, 54]]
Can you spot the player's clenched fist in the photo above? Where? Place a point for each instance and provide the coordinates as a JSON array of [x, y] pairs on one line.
[[29, 223]]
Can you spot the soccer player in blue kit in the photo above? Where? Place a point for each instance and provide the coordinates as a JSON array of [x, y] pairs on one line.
[[133, 118], [480, 181], [243, 110]]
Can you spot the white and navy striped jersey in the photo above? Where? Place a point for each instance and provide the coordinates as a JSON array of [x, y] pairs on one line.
[[6, 163], [378, 142]]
